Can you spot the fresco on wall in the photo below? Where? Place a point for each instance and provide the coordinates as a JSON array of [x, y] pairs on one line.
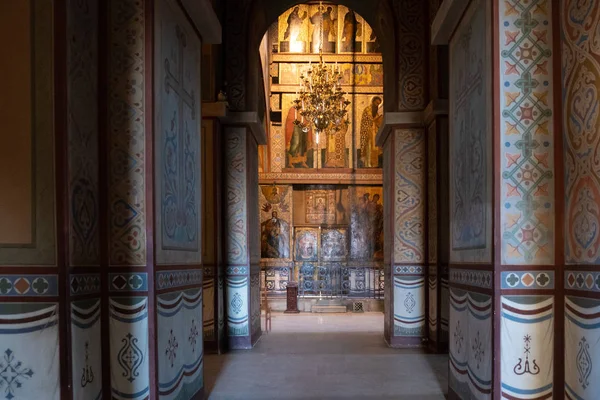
[[366, 223], [335, 151], [334, 244], [293, 29], [359, 74], [323, 28], [351, 27], [299, 143], [367, 120], [275, 217], [344, 34], [306, 244]]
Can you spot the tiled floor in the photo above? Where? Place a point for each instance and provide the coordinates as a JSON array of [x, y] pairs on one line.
[[335, 356]]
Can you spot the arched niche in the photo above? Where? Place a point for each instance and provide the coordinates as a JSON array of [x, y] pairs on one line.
[[247, 21]]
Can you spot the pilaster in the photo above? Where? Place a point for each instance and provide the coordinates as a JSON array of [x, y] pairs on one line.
[[580, 73], [215, 335], [506, 315], [405, 253], [242, 134]]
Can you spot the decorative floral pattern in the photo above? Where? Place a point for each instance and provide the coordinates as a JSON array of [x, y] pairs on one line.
[[458, 338], [478, 350], [409, 205], [410, 303], [581, 84], [193, 335], [12, 374], [237, 303], [584, 363], [127, 133], [172, 346], [130, 357], [527, 182]]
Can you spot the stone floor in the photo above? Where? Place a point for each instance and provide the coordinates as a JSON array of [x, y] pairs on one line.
[[334, 356]]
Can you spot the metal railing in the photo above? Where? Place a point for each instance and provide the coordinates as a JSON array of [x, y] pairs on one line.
[[330, 280]]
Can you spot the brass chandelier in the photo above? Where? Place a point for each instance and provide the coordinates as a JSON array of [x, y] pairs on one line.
[[321, 101]]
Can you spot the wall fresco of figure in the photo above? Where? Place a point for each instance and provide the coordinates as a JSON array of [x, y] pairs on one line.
[[352, 45], [366, 223], [371, 118], [275, 217]]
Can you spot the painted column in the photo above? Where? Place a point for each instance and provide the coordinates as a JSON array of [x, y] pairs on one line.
[[405, 185], [405, 324], [178, 203], [32, 324], [215, 339], [83, 208], [436, 120], [581, 127], [242, 241], [471, 217], [128, 330], [528, 145]]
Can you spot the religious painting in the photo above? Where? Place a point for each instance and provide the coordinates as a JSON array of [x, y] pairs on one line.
[[334, 244], [275, 217], [366, 223], [351, 28], [306, 244], [289, 73], [320, 206], [373, 45], [362, 74], [368, 118], [323, 28], [293, 30], [336, 155], [300, 142]]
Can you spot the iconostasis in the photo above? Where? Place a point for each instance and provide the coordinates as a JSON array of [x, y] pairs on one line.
[[321, 201], [349, 42]]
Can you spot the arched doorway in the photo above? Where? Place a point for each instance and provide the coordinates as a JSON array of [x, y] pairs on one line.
[[320, 198], [409, 256]]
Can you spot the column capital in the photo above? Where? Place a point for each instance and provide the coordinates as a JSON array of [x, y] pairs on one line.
[[248, 119], [446, 20], [391, 120], [435, 108]]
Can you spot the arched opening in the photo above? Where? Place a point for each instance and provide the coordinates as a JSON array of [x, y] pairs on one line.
[[320, 198]]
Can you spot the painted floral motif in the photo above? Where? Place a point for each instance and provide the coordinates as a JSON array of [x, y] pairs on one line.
[[130, 357], [523, 368], [458, 338], [127, 134], [193, 335], [172, 346], [237, 303], [12, 374], [584, 363], [478, 350], [410, 303], [526, 121]]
